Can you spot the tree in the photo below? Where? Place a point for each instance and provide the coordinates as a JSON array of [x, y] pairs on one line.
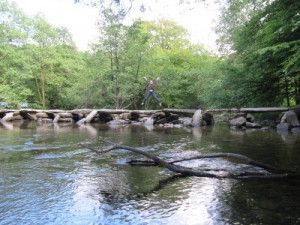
[[112, 41], [235, 14], [38, 60], [125, 47], [265, 46], [13, 34], [179, 63]]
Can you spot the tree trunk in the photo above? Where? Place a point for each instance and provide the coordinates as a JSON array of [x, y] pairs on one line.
[[37, 84], [287, 91], [297, 91], [111, 65], [117, 81]]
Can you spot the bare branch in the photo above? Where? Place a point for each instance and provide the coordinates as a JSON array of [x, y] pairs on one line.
[[229, 155], [154, 160]]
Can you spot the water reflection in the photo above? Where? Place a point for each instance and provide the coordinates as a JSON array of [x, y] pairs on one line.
[[288, 137], [46, 178], [6, 125], [89, 128]]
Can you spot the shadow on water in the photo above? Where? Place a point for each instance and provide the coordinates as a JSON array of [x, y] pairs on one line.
[[46, 178]]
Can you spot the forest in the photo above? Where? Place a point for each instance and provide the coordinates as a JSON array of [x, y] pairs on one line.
[[257, 63]]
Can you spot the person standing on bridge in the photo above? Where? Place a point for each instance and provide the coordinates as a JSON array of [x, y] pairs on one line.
[[151, 91]]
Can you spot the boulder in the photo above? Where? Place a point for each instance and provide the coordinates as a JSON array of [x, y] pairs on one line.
[[65, 115], [149, 122], [268, 123], [118, 122], [113, 123], [42, 115], [202, 119], [197, 118], [186, 121], [290, 117], [208, 119], [253, 125], [283, 126], [125, 116], [238, 122], [45, 120], [17, 117], [296, 130], [265, 128], [178, 125], [250, 118], [65, 120], [8, 117], [169, 119]]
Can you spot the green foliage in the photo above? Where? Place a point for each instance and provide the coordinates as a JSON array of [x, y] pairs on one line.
[[40, 64], [266, 45], [35, 64]]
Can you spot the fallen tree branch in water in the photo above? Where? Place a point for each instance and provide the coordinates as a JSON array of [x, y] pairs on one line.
[[229, 155], [186, 171]]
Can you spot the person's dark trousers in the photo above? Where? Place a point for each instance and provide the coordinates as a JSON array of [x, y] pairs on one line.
[[148, 96]]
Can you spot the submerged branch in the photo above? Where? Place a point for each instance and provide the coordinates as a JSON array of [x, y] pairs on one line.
[[154, 160], [229, 155]]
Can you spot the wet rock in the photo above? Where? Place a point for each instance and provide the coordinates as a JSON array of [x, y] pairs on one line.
[[113, 122], [296, 130], [65, 115], [250, 118], [178, 125], [125, 116], [202, 119], [268, 123], [290, 117], [45, 120], [240, 114], [265, 128], [252, 125], [238, 122], [136, 122], [283, 126], [42, 115], [169, 125], [65, 120], [8, 117], [186, 121], [197, 118], [149, 122], [17, 117], [169, 119], [118, 122], [208, 119]]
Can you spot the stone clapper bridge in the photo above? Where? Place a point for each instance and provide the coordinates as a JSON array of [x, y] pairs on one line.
[[179, 117]]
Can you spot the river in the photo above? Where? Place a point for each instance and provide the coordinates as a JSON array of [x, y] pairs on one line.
[[47, 178]]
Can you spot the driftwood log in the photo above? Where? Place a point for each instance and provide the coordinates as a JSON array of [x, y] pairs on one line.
[[271, 172]]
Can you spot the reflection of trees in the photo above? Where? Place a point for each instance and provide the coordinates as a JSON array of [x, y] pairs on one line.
[[134, 187], [161, 184], [263, 202]]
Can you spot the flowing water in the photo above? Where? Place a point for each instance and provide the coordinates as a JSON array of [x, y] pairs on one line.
[[47, 178]]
